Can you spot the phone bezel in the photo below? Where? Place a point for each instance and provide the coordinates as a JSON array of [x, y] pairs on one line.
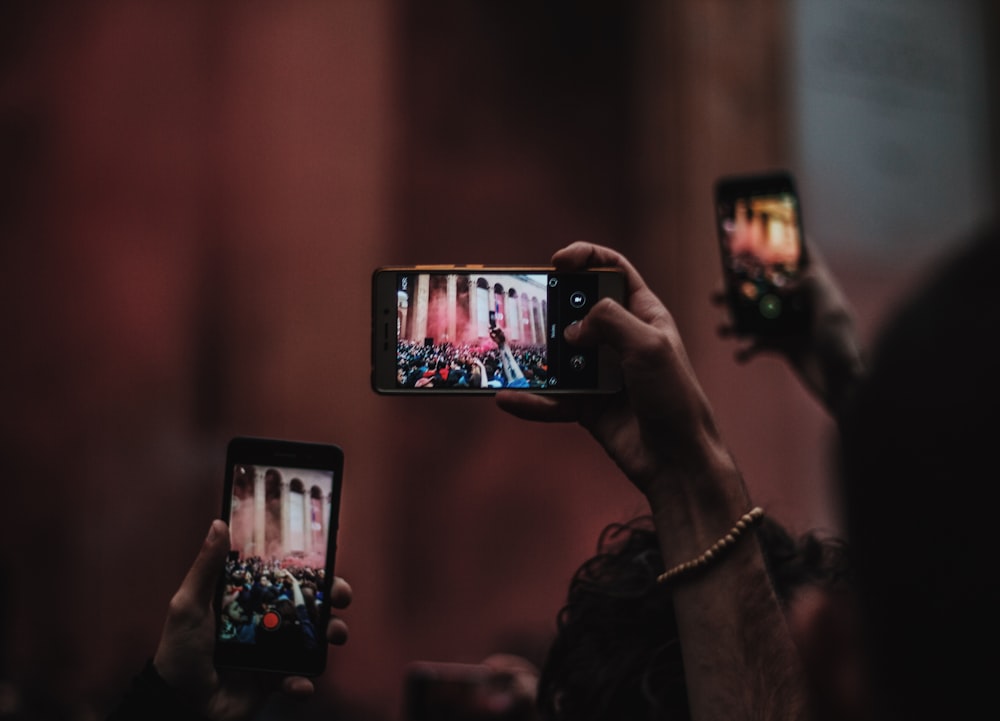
[[745, 317], [244, 450], [610, 283]]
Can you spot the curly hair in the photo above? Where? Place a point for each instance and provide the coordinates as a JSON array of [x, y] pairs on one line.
[[616, 653]]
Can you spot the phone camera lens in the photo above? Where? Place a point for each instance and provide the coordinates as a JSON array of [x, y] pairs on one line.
[[577, 299], [578, 362], [770, 306]]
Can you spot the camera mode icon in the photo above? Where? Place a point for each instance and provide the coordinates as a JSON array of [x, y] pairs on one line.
[[577, 299]]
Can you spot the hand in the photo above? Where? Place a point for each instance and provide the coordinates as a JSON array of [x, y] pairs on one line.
[[184, 655], [522, 692], [661, 416], [498, 336], [826, 355], [738, 655]]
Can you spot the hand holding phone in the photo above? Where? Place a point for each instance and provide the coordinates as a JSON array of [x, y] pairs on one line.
[[779, 290], [281, 501], [184, 654], [759, 226]]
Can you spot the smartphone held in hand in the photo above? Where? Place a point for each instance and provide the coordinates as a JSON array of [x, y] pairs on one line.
[[759, 226], [471, 330], [281, 500]]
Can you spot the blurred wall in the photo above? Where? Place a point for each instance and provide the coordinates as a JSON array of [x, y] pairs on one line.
[[194, 198]]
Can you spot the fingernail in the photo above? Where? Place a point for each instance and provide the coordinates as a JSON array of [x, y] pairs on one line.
[[572, 330], [213, 531]]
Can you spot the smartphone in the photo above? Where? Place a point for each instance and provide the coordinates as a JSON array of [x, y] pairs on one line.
[[448, 691], [281, 500], [477, 329], [760, 231]]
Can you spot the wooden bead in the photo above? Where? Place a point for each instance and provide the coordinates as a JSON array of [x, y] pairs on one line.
[[713, 552]]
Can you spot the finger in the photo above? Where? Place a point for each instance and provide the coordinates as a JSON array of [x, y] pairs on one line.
[[299, 686], [341, 593], [198, 586], [744, 355], [580, 255], [611, 324], [534, 407], [638, 297], [336, 631]]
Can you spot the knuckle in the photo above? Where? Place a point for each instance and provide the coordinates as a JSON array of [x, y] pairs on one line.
[[655, 346], [182, 609]]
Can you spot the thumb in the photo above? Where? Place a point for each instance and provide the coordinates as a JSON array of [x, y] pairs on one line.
[[199, 584]]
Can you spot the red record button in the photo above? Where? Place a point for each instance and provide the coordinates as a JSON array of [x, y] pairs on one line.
[[271, 620]]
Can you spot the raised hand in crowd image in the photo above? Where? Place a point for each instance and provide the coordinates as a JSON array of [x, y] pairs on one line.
[[513, 376], [661, 432], [181, 681]]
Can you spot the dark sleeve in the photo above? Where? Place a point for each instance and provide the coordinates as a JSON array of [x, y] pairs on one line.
[[306, 626], [149, 698]]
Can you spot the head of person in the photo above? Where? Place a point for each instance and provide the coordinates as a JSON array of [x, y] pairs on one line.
[[236, 612], [918, 469], [616, 653]]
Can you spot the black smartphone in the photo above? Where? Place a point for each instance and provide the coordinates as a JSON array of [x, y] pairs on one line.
[[281, 500], [760, 231], [448, 691], [478, 329]]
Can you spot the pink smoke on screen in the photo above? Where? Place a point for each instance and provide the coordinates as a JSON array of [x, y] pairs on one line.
[[313, 559], [242, 519], [241, 522], [274, 546], [437, 318]]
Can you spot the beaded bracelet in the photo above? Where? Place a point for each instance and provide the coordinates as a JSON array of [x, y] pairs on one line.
[[746, 521]]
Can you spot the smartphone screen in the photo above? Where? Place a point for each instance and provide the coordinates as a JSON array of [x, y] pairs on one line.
[[479, 330], [281, 502], [759, 224]]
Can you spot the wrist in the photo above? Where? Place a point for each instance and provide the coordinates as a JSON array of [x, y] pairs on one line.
[[696, 502]]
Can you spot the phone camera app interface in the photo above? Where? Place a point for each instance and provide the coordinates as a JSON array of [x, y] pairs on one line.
[[762, 239], [275, 572], [462, 331], [569, 303]]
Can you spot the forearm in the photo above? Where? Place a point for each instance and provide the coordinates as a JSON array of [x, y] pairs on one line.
[[511, 369], [739, 658], [740, 661], [843, 371]]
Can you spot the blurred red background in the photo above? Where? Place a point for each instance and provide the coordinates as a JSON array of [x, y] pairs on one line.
[[194, 197]]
